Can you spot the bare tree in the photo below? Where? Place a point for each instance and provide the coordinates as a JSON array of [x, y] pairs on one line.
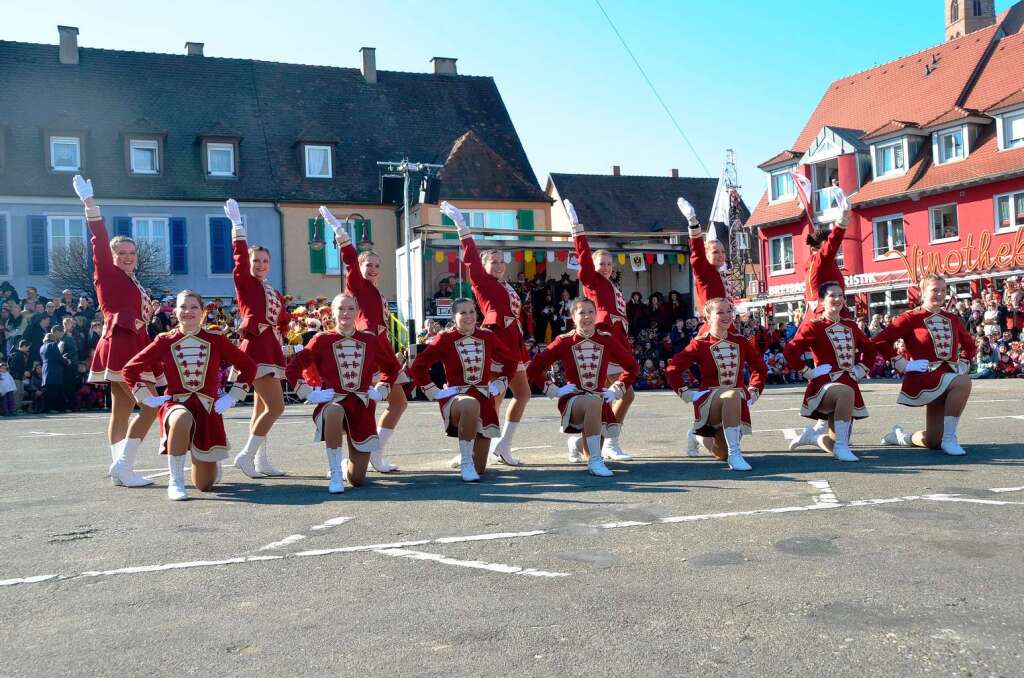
[[71, 268]]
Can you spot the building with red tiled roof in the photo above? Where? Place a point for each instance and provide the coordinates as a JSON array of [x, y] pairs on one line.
[[930, 150]]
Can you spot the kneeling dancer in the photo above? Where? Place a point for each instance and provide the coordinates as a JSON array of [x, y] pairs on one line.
[[190, 410], [841, 352], [935, 375], [343, 362], [584, 403], [721, 406], [471, 356]]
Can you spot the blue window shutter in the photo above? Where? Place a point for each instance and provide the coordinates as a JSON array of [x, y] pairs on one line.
[[220, 245], [4, 228], [123, 226], [38, 256], [179, 245]]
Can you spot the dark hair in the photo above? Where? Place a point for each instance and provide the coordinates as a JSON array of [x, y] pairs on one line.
[[823, 289], [461, 300], [816, 238]]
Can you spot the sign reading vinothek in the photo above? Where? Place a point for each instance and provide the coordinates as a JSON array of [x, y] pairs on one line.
[[966, 259]]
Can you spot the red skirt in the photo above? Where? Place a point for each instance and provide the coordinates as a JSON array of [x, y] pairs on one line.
[[702, 414], [512, 337], [207, 440], [487, 427], [610, 427], [113, 351], [921, 388], [357, 422], [265, 350], [816, 390]]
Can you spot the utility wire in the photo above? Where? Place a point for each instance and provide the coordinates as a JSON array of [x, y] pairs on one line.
[[653, 88]]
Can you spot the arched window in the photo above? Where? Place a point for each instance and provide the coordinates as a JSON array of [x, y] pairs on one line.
[[954, 11]]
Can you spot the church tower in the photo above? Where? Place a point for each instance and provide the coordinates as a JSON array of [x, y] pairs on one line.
[[967, 16]]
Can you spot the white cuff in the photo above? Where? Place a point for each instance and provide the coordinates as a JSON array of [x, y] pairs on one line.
[[238, 392], [238, 232], [302, 390], [93, 213], [384, 389]]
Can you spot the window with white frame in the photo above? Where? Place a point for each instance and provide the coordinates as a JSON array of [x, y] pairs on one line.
[[951, 145], [782, 185], [889, 159], [1013, 130], [155, 233], [781, 254], [65, 231], [220, 159], [144, 155], [944, 224], [1009, 211], [65, 154], [332, 256], [498, 219], [318, 162], [889, 236]]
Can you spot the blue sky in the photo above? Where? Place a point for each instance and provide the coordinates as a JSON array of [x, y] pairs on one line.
[[744, 75]]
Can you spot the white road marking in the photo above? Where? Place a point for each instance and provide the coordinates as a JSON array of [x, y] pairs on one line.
[[49, 434], [532, 447], [488, 537], [825, 493], [475, 564], [290, 539], [1007, 489], [331, 523], [1005, 416], [969, 500], [28, 580]]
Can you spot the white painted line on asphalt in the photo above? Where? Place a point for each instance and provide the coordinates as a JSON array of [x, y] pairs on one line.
[[825, 493], [1008, 489], [1005, 416], [28, 580], [474, 564], [331, 523], [968, 500], [49, 434], [532, 447], [290, 539], [355, 549], [488, 537]]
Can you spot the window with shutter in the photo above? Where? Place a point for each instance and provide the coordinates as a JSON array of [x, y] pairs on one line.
[[5, 246], [317, 258], [179, 245], [38, 247], [220, 245]]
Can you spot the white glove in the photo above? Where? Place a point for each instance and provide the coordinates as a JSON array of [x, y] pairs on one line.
[[860, 373], [232, 212], [453, 213], [155, 401], [610, 395], [83, 187], [571, 212], [497, 388], [754, 395], [446, 393], [687, 209], [822, 370], [689, 396], [340, 232], [320, 395], [568, 389], [223, 404], [373, 394], [920, 365]]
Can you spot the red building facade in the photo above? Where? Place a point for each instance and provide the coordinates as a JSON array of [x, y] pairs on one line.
[[930, 150]]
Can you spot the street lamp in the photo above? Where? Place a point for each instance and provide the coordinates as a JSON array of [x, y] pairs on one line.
[[317, 243]]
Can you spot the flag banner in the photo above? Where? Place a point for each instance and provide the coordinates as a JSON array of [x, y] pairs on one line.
[[636, 260], [572, 262], [803, 193]]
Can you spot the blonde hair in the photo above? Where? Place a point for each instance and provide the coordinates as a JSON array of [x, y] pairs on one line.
[[490, 253], [366, 254], [119, 240], [711, 303], [336, 302], [930, 278], [601, 253]]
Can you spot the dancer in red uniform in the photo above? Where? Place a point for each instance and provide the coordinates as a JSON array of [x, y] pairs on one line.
[[342, 364], [501, 305], [362, 271], [841, 354], [722, 404], [126, 312], [471, 356], [934, 366], [595, 277], [822, 269], [264, 323], [190, 410], [586, 354]]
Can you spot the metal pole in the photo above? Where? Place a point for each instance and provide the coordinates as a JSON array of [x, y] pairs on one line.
[[408, 254]]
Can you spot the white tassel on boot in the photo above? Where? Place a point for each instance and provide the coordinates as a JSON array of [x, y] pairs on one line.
[[245, 460], [841, 446], [596, 465], [176, 481], [122, 471], [950, 444], [501, 449], [466, 464], [335, 461], [263, 463], [377, 460], [732, 440]]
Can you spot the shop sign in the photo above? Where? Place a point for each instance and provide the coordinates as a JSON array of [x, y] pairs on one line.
[[970, 258]]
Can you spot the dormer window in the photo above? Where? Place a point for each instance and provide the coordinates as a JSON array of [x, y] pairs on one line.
[[220, 160], [144, 156], [65, 154], [950, 145], [318, 161], [1011, 130], [890, 159], [782, 184]]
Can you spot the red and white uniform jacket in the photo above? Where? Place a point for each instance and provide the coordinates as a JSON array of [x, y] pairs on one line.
[[498, 300], [373, 313], [822, 267], [938, 337], [190, 362], [122, 299], [708, 281], [611, 305], [471, 361], [346, 363], [260, 306], [585, 360], [840, 344], [721, 363]]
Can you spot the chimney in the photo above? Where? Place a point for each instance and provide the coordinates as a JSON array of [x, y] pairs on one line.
[[444, 66], [68, 44], [369, 63], [616, 170], [194, 49], [674, 173]]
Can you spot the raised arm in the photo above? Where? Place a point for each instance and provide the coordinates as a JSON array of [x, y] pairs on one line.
[[588, 273], [239, 242], [478, 277], [102, 258], [354, 279]]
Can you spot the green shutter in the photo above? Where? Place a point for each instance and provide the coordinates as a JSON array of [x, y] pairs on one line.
[[317, 258], [363, 230], [524, 219], [445, 221]]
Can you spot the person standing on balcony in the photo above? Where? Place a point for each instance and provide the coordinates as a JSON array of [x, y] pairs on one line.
[[362, 273], [596, 279], [501, 307]]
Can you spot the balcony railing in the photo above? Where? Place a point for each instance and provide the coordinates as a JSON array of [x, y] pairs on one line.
[[826, 199]]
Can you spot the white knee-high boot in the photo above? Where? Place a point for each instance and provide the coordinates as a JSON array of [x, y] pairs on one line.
[[733, 434], [377, 460], [466, 464], [334, 460], [841, 446], [176, 482], [122, 471], [245, 461], [950, 444], [263, 463], [596, 465]]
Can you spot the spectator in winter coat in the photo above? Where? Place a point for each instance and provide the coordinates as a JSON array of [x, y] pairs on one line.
[[53, 371]]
